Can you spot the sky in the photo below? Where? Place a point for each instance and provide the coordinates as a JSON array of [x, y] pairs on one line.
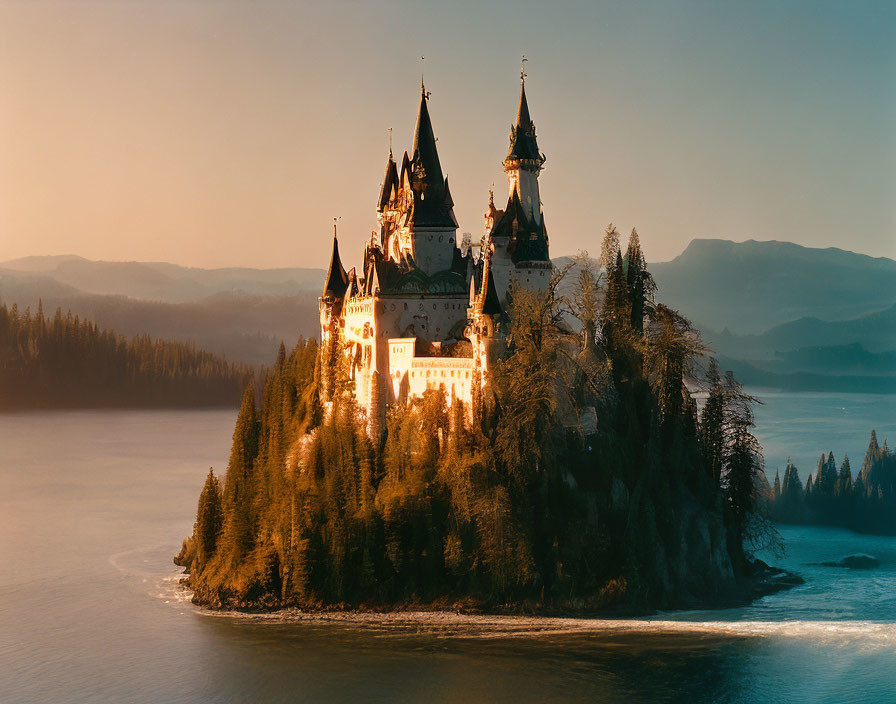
[[219, 133]]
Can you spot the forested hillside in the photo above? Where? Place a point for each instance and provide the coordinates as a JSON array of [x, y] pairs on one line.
[[512, 503], [66, 362], [241, 314]]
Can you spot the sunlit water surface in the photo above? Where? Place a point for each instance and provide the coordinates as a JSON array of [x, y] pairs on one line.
[[93, 504]]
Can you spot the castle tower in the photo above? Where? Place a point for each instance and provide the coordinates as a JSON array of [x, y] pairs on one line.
[[524, 162], [517, 236], [415, 210], [331, 306], [333, 295]]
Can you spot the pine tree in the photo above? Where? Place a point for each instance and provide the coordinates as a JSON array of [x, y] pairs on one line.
[[239, 484], [712, 420], [640, 283], [844, 486], [209, 521]]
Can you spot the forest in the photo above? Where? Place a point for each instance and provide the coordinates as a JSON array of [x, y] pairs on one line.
[[68, 362], [510, 504], [830, 497]]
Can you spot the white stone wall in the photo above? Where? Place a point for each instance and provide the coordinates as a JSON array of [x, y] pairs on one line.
[[525, 183], [434, 248], [413, 375], [532, 277]]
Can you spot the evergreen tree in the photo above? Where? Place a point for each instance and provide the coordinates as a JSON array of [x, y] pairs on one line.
[[640, 283], [209, 520], [239, 484]]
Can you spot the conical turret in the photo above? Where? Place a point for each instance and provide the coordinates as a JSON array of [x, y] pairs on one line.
[[425, 161], [337, 279], [523, 152]]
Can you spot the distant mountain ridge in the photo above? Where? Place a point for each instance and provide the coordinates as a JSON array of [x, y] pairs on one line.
[[875, 332], [752, 286], [162, 281], [777, 309]]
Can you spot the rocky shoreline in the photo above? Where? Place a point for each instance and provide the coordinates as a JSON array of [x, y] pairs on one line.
[[764, 580]]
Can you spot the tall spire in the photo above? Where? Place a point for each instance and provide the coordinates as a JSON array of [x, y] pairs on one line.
[[523, 151], [522, 116], [426, 156]]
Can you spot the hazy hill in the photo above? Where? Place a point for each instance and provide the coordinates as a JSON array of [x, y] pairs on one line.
[[781, 308], [875, 332], [240, 313], [161, 281], [752, 286], [239, 326]]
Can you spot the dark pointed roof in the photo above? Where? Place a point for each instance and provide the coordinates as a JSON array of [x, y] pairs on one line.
[[353, 287], [528, 239], [523, 144], [425, 153], [337, 279], [490, 303], [433, 205], [522, 115], [390, 181]]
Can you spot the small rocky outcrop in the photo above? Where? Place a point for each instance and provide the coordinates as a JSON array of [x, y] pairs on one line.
[[858, 561]]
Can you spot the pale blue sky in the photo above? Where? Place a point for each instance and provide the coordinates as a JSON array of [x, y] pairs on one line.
[[230, 133]]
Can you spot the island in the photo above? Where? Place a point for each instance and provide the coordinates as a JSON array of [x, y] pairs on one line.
[[479, 430]]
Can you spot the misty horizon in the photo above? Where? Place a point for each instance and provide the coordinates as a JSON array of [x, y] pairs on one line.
[[208, 134]]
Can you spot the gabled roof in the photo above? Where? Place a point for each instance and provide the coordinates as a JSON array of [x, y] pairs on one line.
[[337, 279]]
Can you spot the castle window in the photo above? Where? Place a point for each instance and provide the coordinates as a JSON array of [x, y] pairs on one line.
[[450, 240], [405, 306]]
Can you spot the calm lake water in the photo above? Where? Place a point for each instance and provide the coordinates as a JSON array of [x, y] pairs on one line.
[[94, 503]]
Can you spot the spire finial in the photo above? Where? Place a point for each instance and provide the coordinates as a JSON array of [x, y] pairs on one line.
[[334, 226], [423, 90], [523, 69], [390, 142]]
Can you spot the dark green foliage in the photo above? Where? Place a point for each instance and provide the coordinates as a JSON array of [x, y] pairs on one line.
[[209, 520], [866, 504], [712, 422], [67, 362], [516, 501], [641, 285]]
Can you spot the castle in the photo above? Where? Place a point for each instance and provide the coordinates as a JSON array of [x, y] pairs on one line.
[[424, 311]]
